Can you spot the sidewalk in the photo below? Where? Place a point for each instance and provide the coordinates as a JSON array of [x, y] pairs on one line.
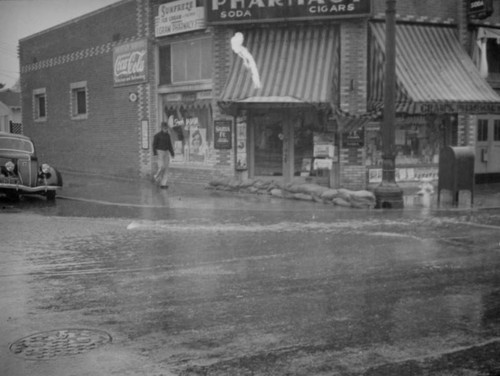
[[143, 192]]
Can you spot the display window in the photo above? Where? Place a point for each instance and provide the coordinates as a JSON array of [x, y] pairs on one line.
[[417, 144], [190, 129]]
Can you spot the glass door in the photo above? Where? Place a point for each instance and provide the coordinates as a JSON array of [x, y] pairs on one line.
[[268, 141]]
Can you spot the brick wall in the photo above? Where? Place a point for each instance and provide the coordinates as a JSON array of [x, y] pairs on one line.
[[108, 140], [84, 32]]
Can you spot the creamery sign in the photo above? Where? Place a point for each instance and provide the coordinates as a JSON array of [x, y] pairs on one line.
[[179, 17], [237, 11]]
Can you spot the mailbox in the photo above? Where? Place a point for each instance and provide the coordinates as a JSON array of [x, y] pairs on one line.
[[456, 171]]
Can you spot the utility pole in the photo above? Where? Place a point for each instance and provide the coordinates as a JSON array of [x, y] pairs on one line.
[[388, 194]]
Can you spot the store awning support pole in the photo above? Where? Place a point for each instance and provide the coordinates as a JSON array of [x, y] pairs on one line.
[[388, 194]]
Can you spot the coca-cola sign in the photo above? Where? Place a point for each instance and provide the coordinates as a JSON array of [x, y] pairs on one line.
[[130, 63]]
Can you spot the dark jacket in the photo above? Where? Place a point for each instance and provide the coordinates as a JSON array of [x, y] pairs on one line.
[[161, 141]]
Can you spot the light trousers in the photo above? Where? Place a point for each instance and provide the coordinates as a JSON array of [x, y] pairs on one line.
[[163, 164]]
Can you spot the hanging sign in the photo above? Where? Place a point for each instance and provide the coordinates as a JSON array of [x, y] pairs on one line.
[[223, 134], [237, 11], [480, 9], [179, 17], [130, 63]]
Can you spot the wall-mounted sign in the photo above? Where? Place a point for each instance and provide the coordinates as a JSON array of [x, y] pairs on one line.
[[223, 134], [179, 17], [237, 11], [354, 139], [480, 9], [406, 174], [144, 134], [132, 97], [130, 63], [453, 108]]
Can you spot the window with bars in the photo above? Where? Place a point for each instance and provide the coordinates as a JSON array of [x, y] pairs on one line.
[[482, 130], [496, 130], [79, 106], [39, 104]]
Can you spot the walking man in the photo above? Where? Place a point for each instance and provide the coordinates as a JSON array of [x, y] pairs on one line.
[[162, 147]]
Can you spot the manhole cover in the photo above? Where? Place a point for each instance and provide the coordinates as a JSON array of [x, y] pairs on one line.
[[54, 343]]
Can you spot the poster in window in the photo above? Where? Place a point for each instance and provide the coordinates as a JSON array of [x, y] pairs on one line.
[[197, 144], [241, 140], [223, 134]]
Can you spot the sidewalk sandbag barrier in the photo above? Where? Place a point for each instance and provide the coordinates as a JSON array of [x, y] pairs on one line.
[[304, 191]]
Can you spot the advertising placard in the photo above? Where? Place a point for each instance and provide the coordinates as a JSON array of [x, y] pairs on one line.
[[237, 11], [130, 63], [179, 17], [223, 134], [480, 9], [354, 139]]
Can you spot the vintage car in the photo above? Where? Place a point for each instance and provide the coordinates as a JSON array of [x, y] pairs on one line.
[[20, 171]]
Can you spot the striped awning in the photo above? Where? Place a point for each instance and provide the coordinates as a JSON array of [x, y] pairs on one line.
[[433, 73], [296, 65]]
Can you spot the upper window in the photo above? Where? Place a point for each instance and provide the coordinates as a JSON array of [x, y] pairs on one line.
[[79, 108], [493, 55], [186, 61], [39, 104]]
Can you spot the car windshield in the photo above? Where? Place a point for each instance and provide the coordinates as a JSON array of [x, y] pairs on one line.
[[16, 144]]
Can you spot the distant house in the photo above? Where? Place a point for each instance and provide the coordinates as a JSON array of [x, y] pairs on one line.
[[10, 111]]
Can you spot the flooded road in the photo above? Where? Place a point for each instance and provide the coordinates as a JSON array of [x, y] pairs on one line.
[[247, 288]]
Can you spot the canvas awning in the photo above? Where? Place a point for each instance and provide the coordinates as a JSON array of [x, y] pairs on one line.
[[297, 65], [433, 73]]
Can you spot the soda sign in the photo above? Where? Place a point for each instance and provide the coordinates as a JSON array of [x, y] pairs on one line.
[[223, 132], [130, 63], [251, 11], [480, 9]]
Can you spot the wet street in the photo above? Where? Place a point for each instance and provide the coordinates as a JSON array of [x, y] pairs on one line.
[[225, 285]]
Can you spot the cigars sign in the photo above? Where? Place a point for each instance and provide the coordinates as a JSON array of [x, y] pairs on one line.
[[130, 63], [237, 11]]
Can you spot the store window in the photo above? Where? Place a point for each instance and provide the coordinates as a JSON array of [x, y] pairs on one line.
[[186, 61], [39, 104], [191, 132], [79, 100], [418, 141]]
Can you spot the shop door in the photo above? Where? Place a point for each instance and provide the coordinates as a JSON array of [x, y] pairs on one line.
[[268, 138], [488, 145]]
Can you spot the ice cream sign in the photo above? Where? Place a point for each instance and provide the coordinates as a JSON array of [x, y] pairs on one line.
[[179, 17], [130, 63]]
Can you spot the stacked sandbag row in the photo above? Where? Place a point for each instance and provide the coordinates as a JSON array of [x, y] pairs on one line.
[[306, 192]]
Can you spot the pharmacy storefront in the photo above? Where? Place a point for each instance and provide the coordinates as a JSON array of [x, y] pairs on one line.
[[282, 84]]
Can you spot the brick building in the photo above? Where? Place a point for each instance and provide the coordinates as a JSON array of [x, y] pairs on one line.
[[95, 89]]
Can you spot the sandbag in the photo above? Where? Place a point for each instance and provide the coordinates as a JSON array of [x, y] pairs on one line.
[[329, 194], [302, 196], [341, 202]]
